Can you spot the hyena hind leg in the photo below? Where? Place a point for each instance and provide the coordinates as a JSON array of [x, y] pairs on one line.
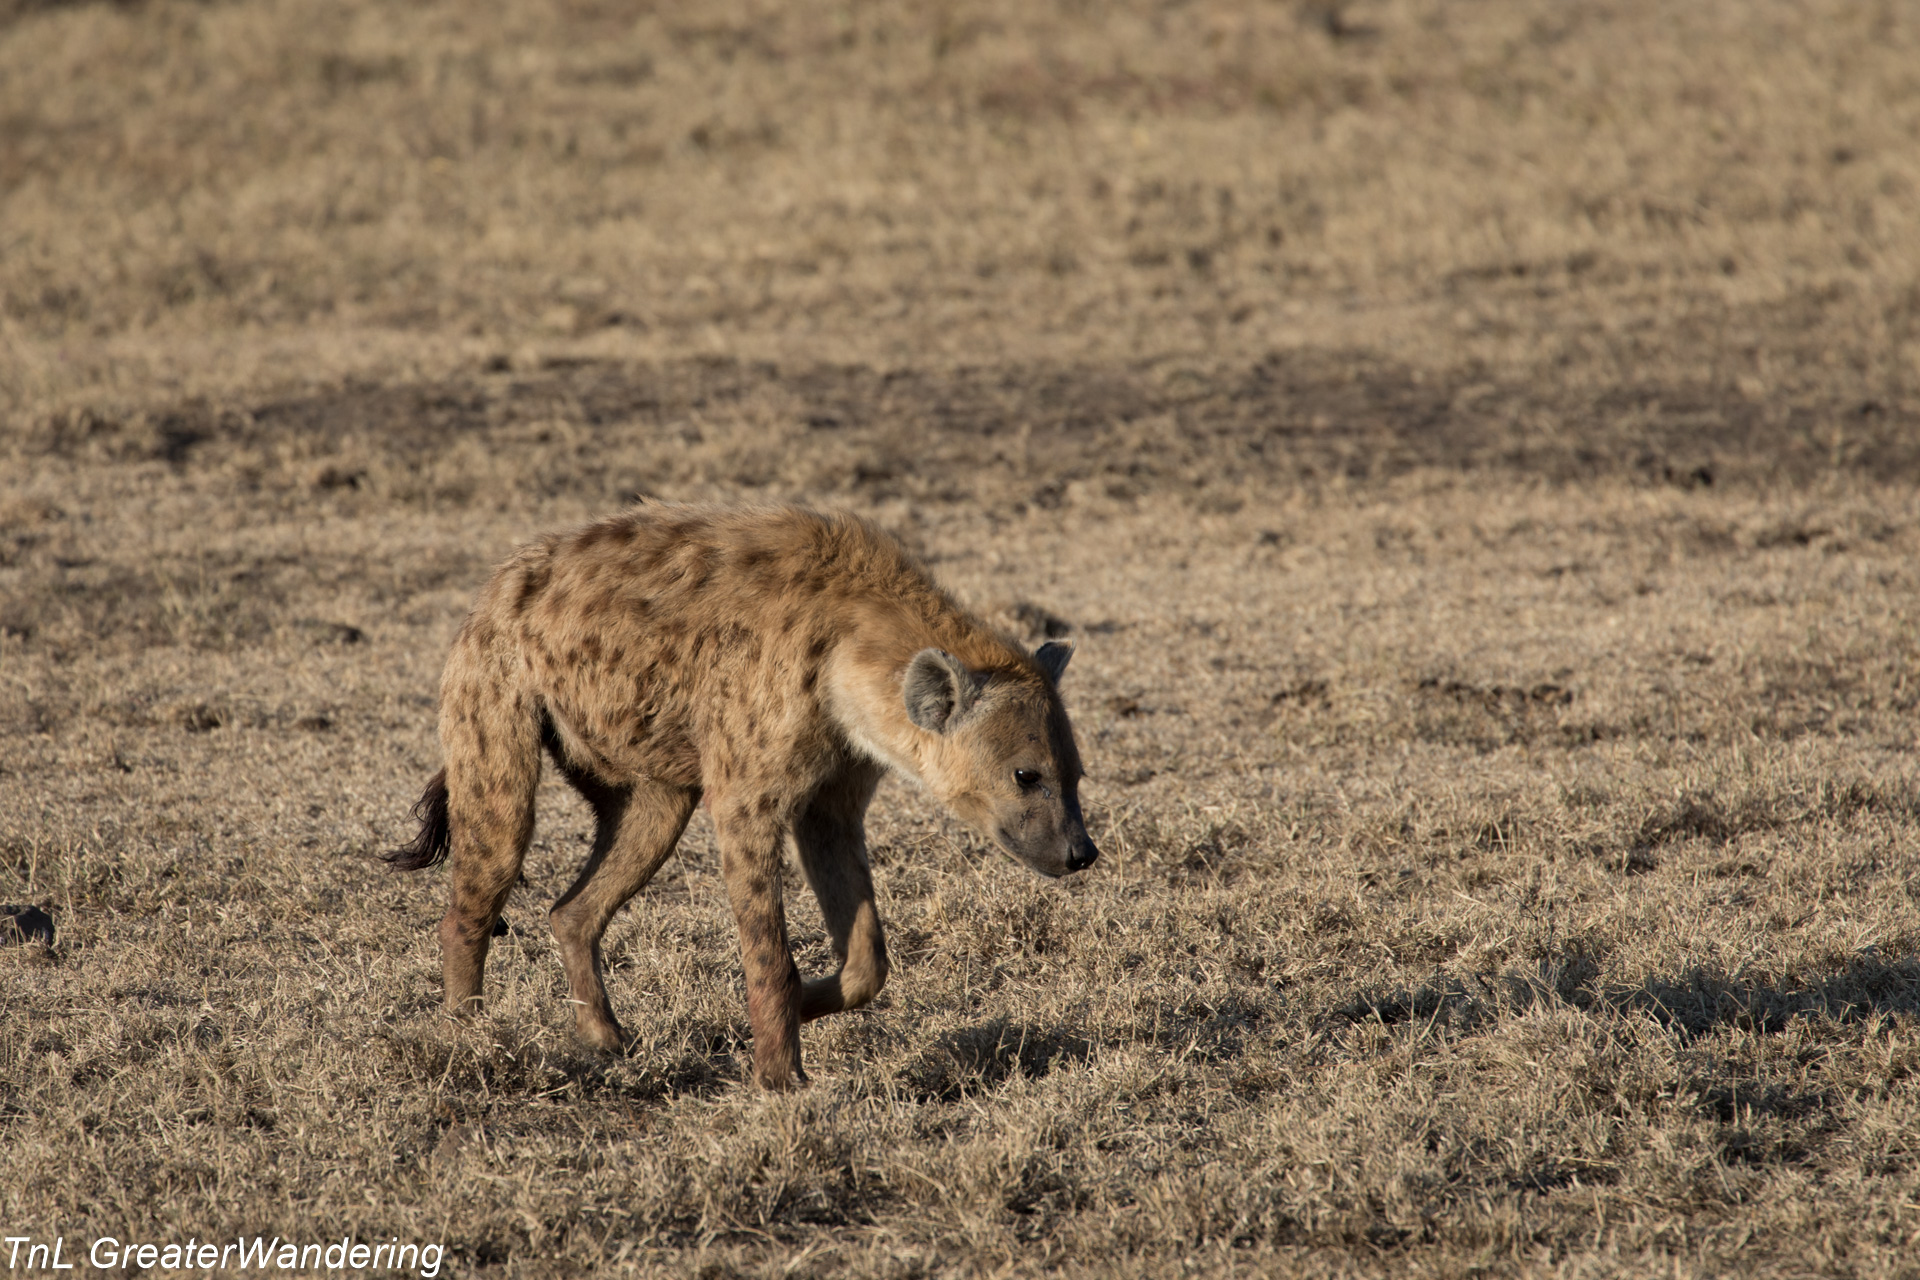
[[638, 826], [493, 766]]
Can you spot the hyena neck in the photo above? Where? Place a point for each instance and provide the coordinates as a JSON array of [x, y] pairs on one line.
[[865, 694]]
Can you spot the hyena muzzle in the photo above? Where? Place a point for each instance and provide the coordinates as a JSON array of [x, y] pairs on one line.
[[771, 662]]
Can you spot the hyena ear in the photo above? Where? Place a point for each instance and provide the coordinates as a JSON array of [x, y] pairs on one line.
[[1052, 657], [939, 689]]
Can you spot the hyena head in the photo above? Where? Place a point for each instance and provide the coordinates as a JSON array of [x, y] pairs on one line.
[[1006, 763]]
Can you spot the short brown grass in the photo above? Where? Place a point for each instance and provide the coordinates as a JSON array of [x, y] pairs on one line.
[[1474, 448]]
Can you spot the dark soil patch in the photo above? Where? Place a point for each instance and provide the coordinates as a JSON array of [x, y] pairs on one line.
[[1025, 431]]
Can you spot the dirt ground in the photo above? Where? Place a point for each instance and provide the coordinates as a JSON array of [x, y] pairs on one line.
[[1475, 449]]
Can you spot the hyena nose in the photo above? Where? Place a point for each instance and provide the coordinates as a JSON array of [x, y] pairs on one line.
[[1082, 857]]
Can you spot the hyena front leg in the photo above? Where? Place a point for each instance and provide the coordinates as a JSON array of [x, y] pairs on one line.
[[638, 827], [492, 739], [750, 845], [831, 842]]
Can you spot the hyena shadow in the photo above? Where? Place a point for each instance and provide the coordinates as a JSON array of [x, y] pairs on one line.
[[977, 1059], [697, 1057]]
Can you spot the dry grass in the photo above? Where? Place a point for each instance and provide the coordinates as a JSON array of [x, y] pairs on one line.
[[1474, 447]]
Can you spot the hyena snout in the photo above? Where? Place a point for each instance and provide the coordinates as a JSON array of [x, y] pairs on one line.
[[1080, 851], [1053, 848]]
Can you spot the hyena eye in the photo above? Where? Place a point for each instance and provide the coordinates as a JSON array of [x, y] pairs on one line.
[[1026, 777]]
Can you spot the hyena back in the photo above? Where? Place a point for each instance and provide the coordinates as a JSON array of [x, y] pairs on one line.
[[771, 661]]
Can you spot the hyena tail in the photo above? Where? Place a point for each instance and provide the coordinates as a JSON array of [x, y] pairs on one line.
[[436, 836]]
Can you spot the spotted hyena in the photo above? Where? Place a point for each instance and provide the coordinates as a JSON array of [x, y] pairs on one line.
[[771, 662]]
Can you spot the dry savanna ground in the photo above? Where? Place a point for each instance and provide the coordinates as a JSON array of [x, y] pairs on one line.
[[1476, 449]]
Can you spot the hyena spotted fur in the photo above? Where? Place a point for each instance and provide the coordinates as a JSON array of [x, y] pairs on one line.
[[773, 662]]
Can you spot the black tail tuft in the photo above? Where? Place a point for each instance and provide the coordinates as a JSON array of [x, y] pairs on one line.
[[435, 838]]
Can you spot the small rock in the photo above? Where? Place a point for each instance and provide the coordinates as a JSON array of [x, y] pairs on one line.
[[338, 633], [453, 1140], [198, 717], [334, 476], [1025, 618], [21, 925]]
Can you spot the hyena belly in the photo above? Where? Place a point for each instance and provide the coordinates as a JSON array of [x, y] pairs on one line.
[[772, 662]]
